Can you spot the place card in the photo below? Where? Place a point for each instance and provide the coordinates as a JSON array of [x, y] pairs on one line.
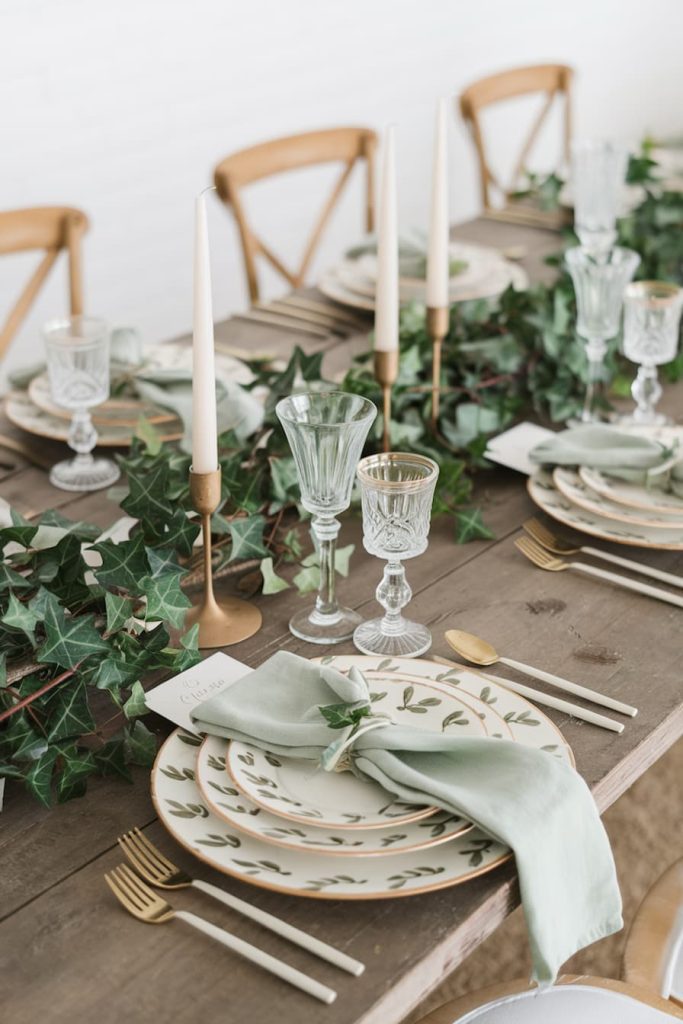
[[177, 697], [512, 447]]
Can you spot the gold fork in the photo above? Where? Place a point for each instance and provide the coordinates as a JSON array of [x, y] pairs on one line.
[[140, 901], [161, 872], [558, 546], [544, 560]]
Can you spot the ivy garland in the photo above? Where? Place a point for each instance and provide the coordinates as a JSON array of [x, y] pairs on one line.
[[73, 636]]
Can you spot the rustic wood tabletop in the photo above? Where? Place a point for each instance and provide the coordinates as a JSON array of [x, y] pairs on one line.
[[69, 953]]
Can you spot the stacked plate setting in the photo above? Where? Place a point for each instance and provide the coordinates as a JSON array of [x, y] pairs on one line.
[[604, 506], [485, 274], [285, 824]]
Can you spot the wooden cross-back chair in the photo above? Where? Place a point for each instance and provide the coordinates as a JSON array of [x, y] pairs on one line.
[[345, 145], [53, 229], [552, 79]]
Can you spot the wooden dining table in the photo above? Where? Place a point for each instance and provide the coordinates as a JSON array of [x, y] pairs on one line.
[[69, 953]]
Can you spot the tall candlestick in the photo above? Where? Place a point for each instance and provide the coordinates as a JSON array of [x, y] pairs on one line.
[[437, 253], [386, 296], [204, 425]]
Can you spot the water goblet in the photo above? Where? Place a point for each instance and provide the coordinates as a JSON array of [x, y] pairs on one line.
[[652, 313], [326, 433], [598, 173], [599, 283], [396, 492], [78, 370]]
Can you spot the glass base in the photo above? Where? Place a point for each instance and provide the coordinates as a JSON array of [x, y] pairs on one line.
[[411, 642], [638, 419], [315, 628], [84, 473]]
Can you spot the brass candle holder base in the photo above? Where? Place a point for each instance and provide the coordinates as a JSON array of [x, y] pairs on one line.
[[225, 622], [386, 374], [437, 328]]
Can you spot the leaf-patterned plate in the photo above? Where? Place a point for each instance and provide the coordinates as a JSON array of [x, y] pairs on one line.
[[632, 495], [545, 494], [298, 790], [571, 484], [226, 801], [182, 811]]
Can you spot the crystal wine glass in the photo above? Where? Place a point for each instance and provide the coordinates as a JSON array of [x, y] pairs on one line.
[[78, 369], [598, 173], [326, 432], [396, 491], [652, 313], [599, 283]]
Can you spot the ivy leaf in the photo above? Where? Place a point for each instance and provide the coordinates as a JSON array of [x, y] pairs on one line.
[[165, 599], [63, 567], [272, 583], [21, 531], [149, 435], [307, 579], [163, 560], [76, 765], [247, 538], [70, 714], [140, 744], [135, 705], [470, 526], [39, 776], [111, 759], [20, 616], [339, 716], [123, 564], [68, 641], [84, 531], [147, 498], [11, 580], [19, 741], [181, 533], [119, 611]]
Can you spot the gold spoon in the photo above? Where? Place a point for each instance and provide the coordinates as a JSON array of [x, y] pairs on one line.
[[478, 652]]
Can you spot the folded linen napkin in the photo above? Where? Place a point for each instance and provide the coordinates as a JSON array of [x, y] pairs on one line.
[[412, 254], [523, 797], [627, 456]]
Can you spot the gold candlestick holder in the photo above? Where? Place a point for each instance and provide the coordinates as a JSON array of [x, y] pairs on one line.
[[386, 373], [225, 622], [437, 328]]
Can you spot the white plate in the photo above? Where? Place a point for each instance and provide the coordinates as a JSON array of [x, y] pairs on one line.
[[298, 790], [572, 485], [543, 492], [182, 811], [233, 807], [631, 495]]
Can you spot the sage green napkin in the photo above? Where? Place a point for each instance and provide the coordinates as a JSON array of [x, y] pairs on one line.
[[412, 254], [523, 797], [627, 456]]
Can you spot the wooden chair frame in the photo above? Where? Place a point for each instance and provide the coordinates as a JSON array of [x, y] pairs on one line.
[[648, 947], [553, 79], [347, 145], [52, 228], [454, 1010]]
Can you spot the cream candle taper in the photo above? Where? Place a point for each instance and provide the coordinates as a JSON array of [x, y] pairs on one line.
[[437, 252], [386, 296], [204, 425]]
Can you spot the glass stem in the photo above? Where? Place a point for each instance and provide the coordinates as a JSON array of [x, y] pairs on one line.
[[325, 532], [393, 593], [596, 351], [646, 391], [82, 435]]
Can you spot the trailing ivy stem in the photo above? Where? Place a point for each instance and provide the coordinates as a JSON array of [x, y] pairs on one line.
[[39, 693]]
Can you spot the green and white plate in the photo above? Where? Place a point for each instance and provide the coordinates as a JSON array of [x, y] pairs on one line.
[[183, 812], [570, 483], [545, 494], [631, 495], [225, 801]]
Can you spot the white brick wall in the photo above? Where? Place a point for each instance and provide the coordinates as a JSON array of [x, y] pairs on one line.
[[122, 107]]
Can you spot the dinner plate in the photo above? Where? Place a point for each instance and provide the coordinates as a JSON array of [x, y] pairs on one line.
[[631, 495], [225, 801], [571, 484], [300, 791], [545, 494], [480, 262], [181, 809], [117, 412]]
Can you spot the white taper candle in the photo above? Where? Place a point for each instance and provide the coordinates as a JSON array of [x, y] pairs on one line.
[[437, 252], [204, 425], [386, 297]]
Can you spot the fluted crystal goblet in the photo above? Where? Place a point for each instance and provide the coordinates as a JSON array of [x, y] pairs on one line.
[[599, 283], [77, 350], [326, 433], [396, 492], [652, 315], [598, 174]]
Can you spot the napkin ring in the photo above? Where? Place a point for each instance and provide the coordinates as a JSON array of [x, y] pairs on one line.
[[337, 757]]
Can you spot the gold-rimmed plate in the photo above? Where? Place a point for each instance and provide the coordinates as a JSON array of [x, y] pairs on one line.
[[629, 495], [572, 485]]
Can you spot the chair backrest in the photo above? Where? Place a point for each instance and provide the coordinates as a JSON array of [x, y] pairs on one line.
[[573, 998], [554, 80], [50, 228], [653, 955], [345, 145]]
